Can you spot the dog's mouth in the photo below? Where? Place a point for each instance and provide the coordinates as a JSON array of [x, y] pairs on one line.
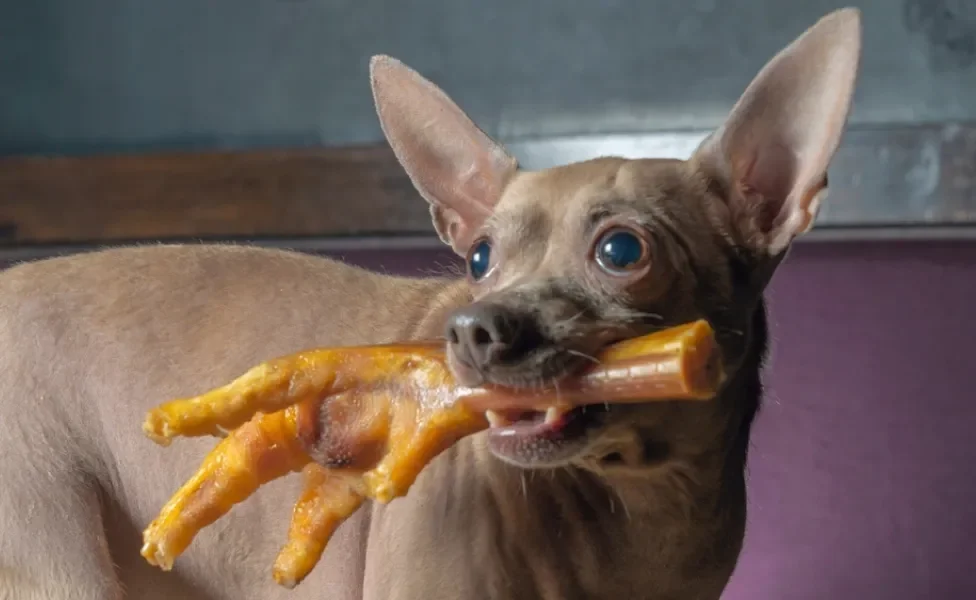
[[550, 438], [544, 438], [553, 423], [558, 435]]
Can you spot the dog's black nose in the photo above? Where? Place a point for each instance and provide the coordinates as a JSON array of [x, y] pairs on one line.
[[482, 334]]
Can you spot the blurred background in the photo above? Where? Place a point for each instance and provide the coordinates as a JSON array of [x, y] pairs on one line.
[[251, 120]]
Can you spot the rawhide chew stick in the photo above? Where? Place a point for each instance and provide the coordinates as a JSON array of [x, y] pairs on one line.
[[679, 363], [363, 423]]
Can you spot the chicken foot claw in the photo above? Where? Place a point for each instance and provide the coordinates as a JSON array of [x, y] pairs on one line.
[[263, 449], [329, 498]]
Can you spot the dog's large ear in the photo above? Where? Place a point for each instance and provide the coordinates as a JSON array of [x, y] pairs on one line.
[[454, 165], [772, 153]]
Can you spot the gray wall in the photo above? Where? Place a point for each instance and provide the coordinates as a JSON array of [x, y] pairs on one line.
[[133, 74], [861, 469]]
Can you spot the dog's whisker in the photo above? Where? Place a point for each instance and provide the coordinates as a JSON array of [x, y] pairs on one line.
[[732, 331], [566, 323], [584, 355], [645, 315], [574, 317], [623, 503]]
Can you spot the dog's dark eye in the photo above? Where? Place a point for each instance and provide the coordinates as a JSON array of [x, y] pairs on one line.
[[479, 259], [620, 250]]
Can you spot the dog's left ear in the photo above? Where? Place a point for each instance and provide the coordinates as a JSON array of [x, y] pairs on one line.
[[454, 165], [772, 153]]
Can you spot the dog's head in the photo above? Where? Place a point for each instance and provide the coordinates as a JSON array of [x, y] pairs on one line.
[[565, 261]]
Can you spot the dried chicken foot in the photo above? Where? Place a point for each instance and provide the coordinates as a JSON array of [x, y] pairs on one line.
[[677, 363], [261, 450], [372, 441], [328, 499]]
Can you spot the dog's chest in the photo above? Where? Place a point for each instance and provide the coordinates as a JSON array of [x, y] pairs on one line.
[[460, 536]]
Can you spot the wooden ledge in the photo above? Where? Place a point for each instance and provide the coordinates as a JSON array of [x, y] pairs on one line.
[[911, 181]]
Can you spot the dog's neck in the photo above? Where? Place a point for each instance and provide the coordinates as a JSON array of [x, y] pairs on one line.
[[671, 530]]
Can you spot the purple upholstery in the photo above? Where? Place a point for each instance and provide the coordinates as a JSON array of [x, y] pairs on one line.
[[863, 486]]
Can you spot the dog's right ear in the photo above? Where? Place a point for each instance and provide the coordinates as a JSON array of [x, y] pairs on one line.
[[454, 165], [772, 153]]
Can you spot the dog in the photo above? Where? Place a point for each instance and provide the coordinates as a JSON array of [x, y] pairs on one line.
[[609, 501]]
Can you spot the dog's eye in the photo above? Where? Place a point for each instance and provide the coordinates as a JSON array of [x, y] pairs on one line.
[[479, 259], [620, 250]]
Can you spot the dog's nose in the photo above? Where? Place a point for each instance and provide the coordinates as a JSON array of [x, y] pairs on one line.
[[483, 334]]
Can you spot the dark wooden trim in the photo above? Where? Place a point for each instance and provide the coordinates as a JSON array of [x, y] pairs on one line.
[[888, 182], [280, 193]]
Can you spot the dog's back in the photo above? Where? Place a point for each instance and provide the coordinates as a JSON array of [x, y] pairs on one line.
[[89, 343]]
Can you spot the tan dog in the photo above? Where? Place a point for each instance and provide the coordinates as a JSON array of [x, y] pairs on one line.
[[618, 502]]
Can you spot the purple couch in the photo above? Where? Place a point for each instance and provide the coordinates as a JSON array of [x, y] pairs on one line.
[[863, 486]]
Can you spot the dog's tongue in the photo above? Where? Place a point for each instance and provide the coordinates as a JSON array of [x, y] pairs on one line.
[[680, 363], [527, 421]]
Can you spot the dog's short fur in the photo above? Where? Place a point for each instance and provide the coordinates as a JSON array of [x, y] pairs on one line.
[[643, 502]]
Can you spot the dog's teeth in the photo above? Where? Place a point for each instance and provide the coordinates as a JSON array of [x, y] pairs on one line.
[[554, 413], [495, 419]]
